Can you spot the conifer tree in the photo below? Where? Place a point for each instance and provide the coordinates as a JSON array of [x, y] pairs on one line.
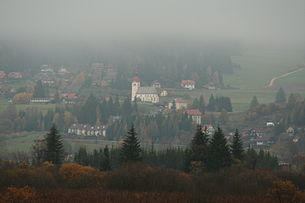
[[219, 154], [54, 147], [106, 160], [212, 104], [280, 96], [254, 102], [199, 145], [131, 151], [237, 146], [291, 101], [201, 104]]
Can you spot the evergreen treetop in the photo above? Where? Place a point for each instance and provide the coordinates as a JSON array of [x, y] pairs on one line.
[[237, 146], [199, 145], [54, 147], [254, 102], [219, 154], [131, 149], [280, 97]]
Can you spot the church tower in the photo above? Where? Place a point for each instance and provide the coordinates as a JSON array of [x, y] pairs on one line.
[[135, 84]]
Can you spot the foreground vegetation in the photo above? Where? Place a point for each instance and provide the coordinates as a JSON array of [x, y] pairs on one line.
[[142, 183]]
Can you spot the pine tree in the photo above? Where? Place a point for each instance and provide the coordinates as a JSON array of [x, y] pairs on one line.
[[106, 160], [237, 146], [254, 102], [291, 101], [280, 97], [39, 90], [212, 104], [219, 154], [201, 104], [199, 145], [54, 147], [130, 151]]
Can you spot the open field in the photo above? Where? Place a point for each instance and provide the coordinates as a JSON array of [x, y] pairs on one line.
[[240, 98], [257, 68], [22, 142]]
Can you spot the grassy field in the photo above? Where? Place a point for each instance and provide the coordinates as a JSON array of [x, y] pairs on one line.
[[295, 80], [257, 68]]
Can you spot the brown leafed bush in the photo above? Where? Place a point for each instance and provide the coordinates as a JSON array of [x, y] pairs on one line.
[[23, 194], [75, 175], [140, 177], [285, 191]]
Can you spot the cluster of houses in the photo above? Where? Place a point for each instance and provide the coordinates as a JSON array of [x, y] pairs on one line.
[[11, 75], [87, 130], [103, 74]]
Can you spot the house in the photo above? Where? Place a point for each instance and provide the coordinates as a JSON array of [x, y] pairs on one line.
[[46, 68], [209, 130], [188, 84], [87, 130], [2, 74], [270, 124], [4, 89], [144, 94], [63, 71], [14, 75], [195, 114], [156, 84], [48, 82], [290, 131], [179, 103], [41, 100]]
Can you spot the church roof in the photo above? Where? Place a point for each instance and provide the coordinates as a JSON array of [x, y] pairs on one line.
[[147, 90]]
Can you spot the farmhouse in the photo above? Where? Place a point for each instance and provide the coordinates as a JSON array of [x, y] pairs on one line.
[[179, 104], [14, 75], [87, 130], [195, 114], [188, 84], [2, 74], [144, 94], [41, 100]]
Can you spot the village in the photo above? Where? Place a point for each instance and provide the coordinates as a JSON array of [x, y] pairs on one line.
[[67, 87]]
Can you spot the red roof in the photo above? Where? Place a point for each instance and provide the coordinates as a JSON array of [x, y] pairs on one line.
[[179, 100], [71, 96], [188, 82], [136, 79], [193, 112]]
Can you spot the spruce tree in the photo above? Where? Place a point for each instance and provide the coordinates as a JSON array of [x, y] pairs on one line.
[[201, 104], [280, 97], [254, 102], [131, 151], [54, 147], [199, 145], [237, 146], [219, 154], [106, 160], [212, 104]]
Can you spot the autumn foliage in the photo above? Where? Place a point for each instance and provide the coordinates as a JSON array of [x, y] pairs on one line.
[[137, 182]]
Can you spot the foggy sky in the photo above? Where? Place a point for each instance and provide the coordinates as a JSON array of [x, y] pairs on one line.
[[250, 21]]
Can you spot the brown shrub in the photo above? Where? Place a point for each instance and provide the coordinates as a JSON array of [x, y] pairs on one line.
[[140, 177], [75, 175], [285, 191], [13, 194]]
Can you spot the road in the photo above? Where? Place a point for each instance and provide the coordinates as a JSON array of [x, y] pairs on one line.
[[271, 82]]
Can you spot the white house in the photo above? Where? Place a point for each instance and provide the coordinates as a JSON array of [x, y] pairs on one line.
[[179, 103], [188, 84], [195, 114], [87, 130]]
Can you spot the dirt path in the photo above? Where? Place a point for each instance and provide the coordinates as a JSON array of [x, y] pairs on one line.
[[271, 82]]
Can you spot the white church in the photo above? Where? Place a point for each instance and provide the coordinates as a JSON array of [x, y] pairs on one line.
[[145, 94]]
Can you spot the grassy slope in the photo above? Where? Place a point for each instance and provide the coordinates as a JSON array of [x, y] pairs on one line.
[[257, 68]]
